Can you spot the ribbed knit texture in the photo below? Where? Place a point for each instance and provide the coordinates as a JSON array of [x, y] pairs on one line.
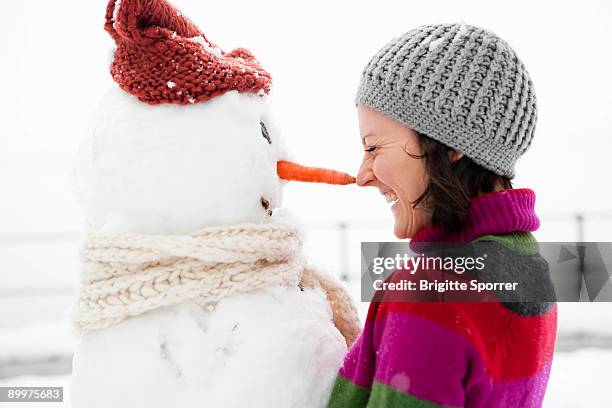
[[459, 84], [489, 214], [162, 57], [458, 354], [127, 274]]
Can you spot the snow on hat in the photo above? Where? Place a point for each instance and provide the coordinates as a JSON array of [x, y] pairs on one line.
[[162, 57]]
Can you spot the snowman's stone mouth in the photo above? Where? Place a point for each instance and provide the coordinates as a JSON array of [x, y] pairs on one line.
[[265, 203]]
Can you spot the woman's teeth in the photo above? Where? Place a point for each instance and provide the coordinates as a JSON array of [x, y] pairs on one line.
[[391, 197]]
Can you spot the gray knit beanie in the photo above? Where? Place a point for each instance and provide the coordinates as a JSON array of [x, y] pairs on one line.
[[459, 84]]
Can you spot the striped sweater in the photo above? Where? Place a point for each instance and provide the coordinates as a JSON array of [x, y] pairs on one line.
[[461, 354]]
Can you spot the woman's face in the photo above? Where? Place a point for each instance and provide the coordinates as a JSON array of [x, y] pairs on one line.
[[386, 165]]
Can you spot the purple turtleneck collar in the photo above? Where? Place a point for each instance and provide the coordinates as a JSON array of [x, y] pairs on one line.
[[498, 212]]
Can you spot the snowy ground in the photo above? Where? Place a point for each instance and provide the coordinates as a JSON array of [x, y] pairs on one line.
[[579, 378]]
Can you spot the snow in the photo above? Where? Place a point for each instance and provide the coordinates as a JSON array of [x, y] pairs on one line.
[[171, 84], [216, 51], [460, 33], [111, 55], [272, 347], [172, 169], [435, 43], [578, 379], [116, 12]]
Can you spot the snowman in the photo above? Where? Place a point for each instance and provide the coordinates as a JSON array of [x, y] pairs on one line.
[[194, 291]]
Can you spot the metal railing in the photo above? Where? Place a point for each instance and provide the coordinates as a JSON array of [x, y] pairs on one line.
[[343, 232]]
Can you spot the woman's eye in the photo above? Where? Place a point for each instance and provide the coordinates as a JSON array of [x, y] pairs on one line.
[[264, 133], [369, 149]]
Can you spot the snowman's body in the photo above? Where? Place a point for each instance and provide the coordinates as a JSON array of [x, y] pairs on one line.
[[170, 170], [273, 348]]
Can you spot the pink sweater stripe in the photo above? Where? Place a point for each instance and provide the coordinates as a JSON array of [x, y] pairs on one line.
[[498, 212], [429, 352]]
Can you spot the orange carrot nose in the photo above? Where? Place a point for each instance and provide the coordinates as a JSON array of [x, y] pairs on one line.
[[292, 171]]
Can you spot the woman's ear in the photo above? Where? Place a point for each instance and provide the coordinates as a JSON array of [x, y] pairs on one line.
[[454, 155]]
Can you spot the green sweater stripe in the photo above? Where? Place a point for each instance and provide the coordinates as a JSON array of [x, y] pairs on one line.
[[347, 394], [386, 396], [524, 243]]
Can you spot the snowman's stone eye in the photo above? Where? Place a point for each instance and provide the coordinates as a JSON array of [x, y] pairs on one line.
[[264, 133]]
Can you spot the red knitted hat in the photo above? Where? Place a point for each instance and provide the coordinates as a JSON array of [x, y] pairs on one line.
[[162, 57]]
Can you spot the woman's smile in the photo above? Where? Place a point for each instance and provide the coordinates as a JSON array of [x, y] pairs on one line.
[[392, 164], [391, 197]]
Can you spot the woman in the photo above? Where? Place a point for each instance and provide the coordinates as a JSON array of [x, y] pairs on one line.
[[444, 112]]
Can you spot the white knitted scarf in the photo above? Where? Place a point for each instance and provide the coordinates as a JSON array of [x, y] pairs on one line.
[[129, 274]]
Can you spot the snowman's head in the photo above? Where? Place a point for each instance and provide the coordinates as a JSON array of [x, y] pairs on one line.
[[187, 139], [170, 168]]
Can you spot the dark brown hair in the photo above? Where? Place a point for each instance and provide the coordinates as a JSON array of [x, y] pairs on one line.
[[452, 184]]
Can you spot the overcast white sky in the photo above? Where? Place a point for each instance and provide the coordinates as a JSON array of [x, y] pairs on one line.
[[53, 68]]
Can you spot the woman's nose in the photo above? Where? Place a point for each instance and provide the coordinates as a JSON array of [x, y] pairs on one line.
[[365, 174]]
